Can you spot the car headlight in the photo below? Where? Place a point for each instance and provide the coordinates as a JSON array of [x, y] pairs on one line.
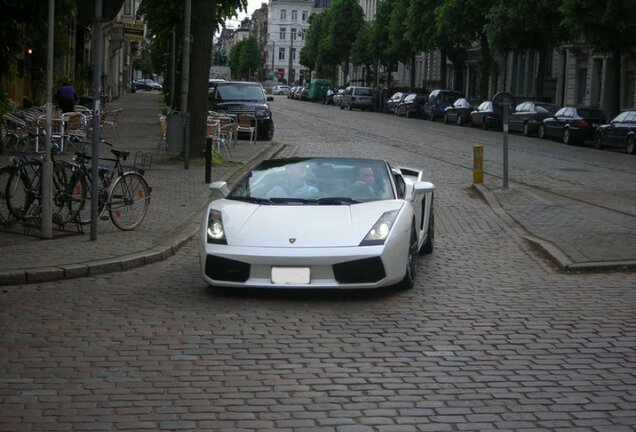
[[381, 229], [216, 232], [261, 113]]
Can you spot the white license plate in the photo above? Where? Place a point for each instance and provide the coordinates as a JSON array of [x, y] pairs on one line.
[[290, 275]]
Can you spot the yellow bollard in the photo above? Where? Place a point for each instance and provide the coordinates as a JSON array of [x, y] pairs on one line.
[[478, 164]]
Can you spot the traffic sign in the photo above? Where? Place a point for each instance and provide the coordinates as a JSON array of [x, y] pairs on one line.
[[501, 99]]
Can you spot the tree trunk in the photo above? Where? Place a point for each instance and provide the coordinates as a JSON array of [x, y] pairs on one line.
[[538, 87], [486, 62], [442, 68], [202, 30], [413, 72]]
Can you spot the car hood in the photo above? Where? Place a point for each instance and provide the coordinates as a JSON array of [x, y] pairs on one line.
[[300, 226]]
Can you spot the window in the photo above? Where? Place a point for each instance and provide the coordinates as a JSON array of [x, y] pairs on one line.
[[283, 30], [127, 8], [281, 53], [293, 34], [305, 15], [561, 112], [293, 53], [294, 15], [283, 14]]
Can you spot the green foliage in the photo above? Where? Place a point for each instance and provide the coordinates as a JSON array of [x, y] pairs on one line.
[[606, 25], [399, 47], [420, 29], [361, 53], [344, 20], [519, 24], [250, 58]]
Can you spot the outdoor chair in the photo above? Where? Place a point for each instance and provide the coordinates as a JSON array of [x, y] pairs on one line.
[[111, 118], [247, 124]]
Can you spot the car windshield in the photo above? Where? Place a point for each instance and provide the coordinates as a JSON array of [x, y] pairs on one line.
[[237, 92], [315, 181]]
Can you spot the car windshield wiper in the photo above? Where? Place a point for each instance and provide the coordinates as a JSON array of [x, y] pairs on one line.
[[253, 200], [303, 201], [337, 201]]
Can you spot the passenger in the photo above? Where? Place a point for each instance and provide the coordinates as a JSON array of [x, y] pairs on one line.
[[363, 183], [295, 185]]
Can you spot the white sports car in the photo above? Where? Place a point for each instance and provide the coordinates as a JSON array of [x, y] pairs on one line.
[[317, 223]]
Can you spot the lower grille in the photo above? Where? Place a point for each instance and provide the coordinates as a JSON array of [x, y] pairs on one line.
[[224, 269], [360, 271]]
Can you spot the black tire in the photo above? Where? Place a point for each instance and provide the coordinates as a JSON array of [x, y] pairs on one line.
[[407, 113], [69, 194], [429, 244], [567, 137], [631, 145], [341, 107], [22, 193], [526, 129], [128, 201], [6, 218], [541, 132], [598, 142], [445, 119], [459, 120], [267, 133], [411, 263], [484, 124], [350, 108]]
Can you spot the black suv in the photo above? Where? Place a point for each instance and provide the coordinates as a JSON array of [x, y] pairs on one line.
[[240, 97]]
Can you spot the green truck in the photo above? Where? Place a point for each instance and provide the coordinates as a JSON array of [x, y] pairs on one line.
[[318, 89]]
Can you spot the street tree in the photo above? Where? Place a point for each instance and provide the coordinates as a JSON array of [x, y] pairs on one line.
[[345, 20], [463, 22], [310, 54], [608, 26], [380, 38], [361, 53], [399, 46], [424, 34], [522, 25]]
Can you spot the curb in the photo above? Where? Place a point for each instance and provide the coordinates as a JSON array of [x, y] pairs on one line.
[[167, 248], [556, 255]]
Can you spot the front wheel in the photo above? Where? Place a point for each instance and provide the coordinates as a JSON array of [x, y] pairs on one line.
[[459, 120], [541, 132], [128, 201], [411, 263], [598, 142], [631, 145], [567, 137], [526, 129]]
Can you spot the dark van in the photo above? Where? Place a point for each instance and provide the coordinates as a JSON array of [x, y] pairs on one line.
[[437, 102]]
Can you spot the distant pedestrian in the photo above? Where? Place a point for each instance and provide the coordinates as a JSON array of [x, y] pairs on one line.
[[66, 97]]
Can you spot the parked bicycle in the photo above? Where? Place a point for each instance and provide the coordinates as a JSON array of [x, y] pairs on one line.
[[22, 188], [123, 192]]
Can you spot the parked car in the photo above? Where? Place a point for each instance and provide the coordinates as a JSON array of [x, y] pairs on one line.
[[412, 105], [147, 84], [572, 124], [329, 97], [528, 115], [318, 223], [337, 97], [485, 116], [458, 112], [620, 132], [281, 89], [394, 101], [242, 97], [318, 89], [298, 92], [358, 97], [290, 94], [437, 102]]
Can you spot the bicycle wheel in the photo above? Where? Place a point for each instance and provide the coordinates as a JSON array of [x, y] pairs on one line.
[[69, 193], [23, 190], [5, 215], [128, 201]]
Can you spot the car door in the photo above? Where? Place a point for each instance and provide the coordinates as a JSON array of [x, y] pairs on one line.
[[628, 124], [554, 124], [515, 120], [612, 136]]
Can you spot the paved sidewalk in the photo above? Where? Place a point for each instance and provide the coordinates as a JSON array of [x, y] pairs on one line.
[[178, 196], [575, 235]]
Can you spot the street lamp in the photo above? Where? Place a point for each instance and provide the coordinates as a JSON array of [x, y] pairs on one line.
[[292, 37]]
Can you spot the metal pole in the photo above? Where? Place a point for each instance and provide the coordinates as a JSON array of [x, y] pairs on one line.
[[291, 66], [96, 47], [173, 67], [46, 227], [273, 51], [185, 81], [506, 106]]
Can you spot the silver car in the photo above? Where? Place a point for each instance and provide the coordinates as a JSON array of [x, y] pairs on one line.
[[358, 97]]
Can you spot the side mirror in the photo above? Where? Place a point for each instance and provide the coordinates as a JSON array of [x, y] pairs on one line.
[[221, 187], [423, 187]]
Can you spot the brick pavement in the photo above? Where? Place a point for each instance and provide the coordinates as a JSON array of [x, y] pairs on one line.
[[177, 197]]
